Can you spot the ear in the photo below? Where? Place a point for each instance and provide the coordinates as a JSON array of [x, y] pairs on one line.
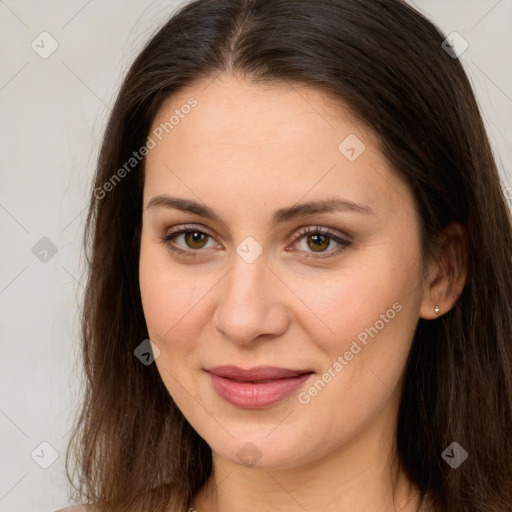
[[447, 272]]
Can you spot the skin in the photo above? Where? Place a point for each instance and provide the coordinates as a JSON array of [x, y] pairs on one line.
[[245, 151]]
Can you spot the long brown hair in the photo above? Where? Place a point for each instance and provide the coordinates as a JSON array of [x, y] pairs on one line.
[[134, 449]]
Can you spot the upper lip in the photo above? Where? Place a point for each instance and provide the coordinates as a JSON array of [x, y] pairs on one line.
[[255, 374]]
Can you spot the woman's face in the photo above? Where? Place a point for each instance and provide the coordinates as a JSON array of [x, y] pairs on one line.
[[299, 251]]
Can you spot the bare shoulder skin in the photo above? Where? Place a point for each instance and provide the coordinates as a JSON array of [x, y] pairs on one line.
[[76, 508]]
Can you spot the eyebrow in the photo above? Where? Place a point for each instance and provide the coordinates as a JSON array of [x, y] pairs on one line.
[[332, 204]]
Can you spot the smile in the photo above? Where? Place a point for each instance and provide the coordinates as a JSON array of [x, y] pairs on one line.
[[256, 388]]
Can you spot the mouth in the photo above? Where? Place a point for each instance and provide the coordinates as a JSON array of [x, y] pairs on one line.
[[256, 388]]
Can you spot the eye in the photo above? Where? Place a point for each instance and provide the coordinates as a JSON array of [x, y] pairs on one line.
[[318, 239], [194, 239]]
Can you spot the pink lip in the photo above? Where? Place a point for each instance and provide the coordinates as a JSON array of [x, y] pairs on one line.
[[256, 388]]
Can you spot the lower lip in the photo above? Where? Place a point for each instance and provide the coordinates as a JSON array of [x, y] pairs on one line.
[[256, 395]]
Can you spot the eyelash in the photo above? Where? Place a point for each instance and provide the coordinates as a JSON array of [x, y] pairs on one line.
[[344, 243]]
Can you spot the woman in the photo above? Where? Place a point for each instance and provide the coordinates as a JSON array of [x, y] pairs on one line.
[[299, 286]]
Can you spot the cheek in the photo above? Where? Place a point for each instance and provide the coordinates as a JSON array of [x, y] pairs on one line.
[[170, 298], [172, 305], [373, 316], [373, 311], [341, 306]]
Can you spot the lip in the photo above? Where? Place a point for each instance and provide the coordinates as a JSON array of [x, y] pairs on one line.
[[256, 388]]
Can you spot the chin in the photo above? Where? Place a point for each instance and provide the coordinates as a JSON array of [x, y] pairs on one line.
[[261, 447]]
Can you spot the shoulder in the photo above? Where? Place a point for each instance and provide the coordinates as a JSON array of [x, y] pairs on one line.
[[76, 508]]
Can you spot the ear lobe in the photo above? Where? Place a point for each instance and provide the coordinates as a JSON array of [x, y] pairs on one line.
[[448, 273]]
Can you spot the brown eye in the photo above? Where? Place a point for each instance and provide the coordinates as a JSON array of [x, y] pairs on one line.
[[188, 241], [195, 239], [318, 242]]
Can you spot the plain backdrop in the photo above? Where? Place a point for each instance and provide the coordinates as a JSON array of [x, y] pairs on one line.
[[52, 114]]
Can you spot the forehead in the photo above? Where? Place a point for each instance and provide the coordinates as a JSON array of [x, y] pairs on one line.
[[266, 141], [258, 110]]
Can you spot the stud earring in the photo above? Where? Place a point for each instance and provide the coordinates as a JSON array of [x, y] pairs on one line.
[[436, 309]]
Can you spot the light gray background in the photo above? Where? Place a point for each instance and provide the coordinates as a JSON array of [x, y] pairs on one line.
[[52, 113]]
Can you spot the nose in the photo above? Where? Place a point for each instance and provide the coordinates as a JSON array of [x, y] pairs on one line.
[[250, 305]]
